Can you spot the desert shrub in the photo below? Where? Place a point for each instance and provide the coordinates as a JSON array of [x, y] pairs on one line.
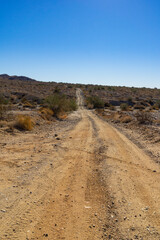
[[2, 111], [134, 90], [95, 102], [72, 105], [143, 117], [28, 104], [24, 123], [107, 104], [124, 106], [129, 99], [56, 90], [112, 108], [126, 119], [111, 88], [46, 113], [60, 103], [3, 106], [157, 105]]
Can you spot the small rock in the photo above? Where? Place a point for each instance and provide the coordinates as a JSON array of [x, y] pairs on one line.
[[145, 209], [45, 235], [2, 210]]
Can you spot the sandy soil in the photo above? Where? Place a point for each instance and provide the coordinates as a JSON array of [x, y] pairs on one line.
[[89, 182]]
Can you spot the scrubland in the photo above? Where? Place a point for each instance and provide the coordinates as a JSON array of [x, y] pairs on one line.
[[78, 161]]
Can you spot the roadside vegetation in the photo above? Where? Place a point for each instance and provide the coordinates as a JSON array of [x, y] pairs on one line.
[[59, 103], [4, 106], [25, 123], [44, 102], [94, 102]]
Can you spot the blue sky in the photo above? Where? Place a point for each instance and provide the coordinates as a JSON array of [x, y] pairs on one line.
[[109, 42]]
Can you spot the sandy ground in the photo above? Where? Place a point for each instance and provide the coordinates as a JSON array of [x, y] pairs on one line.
[[78, 179]]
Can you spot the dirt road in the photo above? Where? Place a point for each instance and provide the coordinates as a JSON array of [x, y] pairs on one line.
[[89, 182]]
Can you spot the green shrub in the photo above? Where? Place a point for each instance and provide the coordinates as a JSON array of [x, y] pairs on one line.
[[3, 107], [124, 106], [60, 103], [95, 102]]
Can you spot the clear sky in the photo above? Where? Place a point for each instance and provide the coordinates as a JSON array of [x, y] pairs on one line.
[[110, 42]]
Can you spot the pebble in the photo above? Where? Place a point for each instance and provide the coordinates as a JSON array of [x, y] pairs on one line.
[[145, 209], [2, 210], [45, 235]]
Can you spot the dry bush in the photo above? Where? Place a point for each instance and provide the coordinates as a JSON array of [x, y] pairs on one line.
[[28, 104], [2, 111], [156, 106], [144, 117], [126, 119], [4, 107], [46, 113], [124, 106], [24, 123], [62, 116]]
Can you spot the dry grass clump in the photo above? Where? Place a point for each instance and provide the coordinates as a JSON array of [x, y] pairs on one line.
[[24, 123], [46, 113], [62, 116], [28, 104], [126, 119]]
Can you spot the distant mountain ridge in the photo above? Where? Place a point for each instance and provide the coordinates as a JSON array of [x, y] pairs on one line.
[[14, 77]]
